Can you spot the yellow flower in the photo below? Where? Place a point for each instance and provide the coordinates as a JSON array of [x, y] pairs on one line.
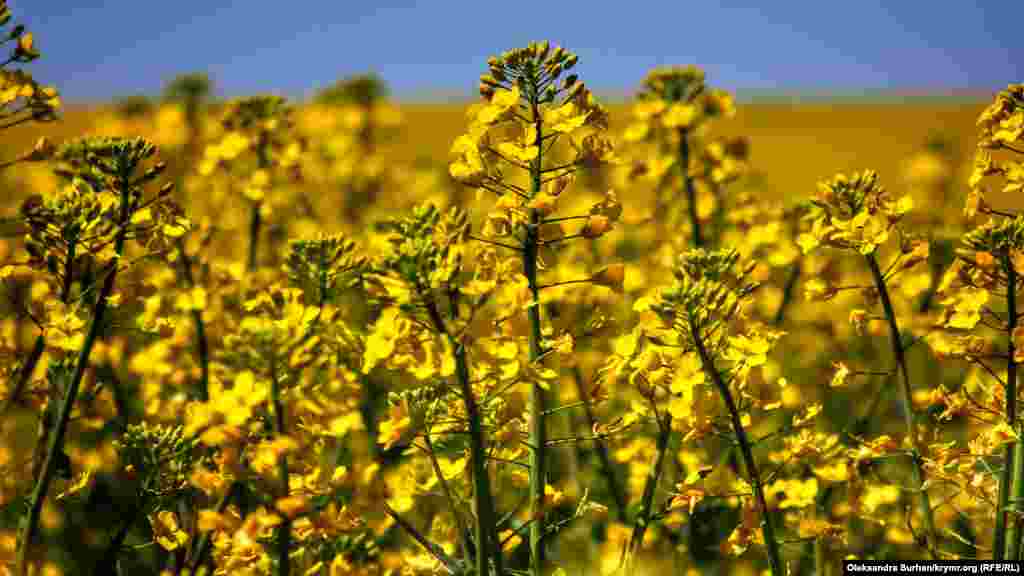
[[502, 102], [839, 379], [597, 224], [395, 426], [166, 530], [468, 168], [966, 307], [521, 154], [564, 119], [680, 115]]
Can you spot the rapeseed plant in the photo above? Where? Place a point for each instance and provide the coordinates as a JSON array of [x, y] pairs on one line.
[[94, 214], [673, 110], [855, 213], [987, 265], [691, 339], [529, 108], [374, 400]]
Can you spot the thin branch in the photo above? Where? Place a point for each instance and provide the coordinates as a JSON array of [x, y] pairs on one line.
[[494, 243]]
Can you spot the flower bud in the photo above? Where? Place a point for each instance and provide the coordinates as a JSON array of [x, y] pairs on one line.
[[489, 80], [612, 276], [155, 171], [597, 225], [541, 49], [576, 90], [543, 203], [26, 50]]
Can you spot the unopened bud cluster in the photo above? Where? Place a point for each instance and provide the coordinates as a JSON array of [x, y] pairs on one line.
[[538, 66]]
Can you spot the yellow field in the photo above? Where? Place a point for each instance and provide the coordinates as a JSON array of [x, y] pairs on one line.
[[792, 145], [301, 346]]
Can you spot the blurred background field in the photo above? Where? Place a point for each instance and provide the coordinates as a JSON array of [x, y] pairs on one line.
[[793, 145]]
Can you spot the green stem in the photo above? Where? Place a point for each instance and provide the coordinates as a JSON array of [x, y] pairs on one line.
[[820, 556], [436, 551], [202, 344], [691, 191], [69, 270], [1014, 454], [456, 515], [61, 426], [255, 219], [754, 476], [636, 539], [254, 235], [908, 413], [487, 544], [1016, 528], [538, 396], [787, 293], [284, 530], [486, 528]]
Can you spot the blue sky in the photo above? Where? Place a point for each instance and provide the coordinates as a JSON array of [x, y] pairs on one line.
[[95, 49]]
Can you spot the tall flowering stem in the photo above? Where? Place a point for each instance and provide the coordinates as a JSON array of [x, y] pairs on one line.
[[97, 168], [1000, 239], [710, 289], [896, 341], [993, 258], [673, 110], [525, 92], [753, 474], [284, 530], [856, 213], [257, 142], [202, 342], [1015, 450], [427, 260], [643, 518], [25, 101]]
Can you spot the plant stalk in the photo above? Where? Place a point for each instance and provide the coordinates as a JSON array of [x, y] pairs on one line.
[[202, 344], [767, 525], [71, 393], [901, 361], [487, 543], [636, 539], [691, 191], [255, 220], [284, 530], [1014, 454], [538, 396]]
